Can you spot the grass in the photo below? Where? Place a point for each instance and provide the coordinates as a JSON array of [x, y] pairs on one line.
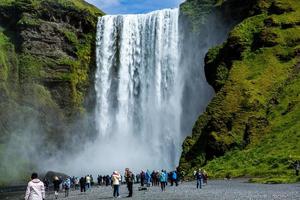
[[24, 76], [251, 128]]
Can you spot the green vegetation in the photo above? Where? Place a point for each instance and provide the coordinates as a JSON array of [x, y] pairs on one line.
[[46, 58], [251, 127]]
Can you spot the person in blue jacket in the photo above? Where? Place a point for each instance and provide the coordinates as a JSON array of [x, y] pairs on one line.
[[148, 178], [67, 186], [163, 180], [199, 177], [174, 178]]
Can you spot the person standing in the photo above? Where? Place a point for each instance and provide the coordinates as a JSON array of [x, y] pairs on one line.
[[163, 180], [35, 189], [148, 178], [116, 177], [56, 183], [175, 178], [142, 176], [82, 182], [88, 181], [129, 177], [67, 186], [199, 177], [76, 182]]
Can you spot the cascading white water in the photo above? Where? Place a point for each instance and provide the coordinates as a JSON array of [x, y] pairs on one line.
[[140, 81], [138, 88]]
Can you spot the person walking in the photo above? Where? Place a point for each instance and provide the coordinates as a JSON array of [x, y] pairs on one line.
[[35, 189], [67, 186], [129, 177], [116, 178], [199, 177], [56, 184], [163, 180], [82, 183], [88, 181]]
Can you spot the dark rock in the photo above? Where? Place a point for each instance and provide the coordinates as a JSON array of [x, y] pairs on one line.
[[51, 174]]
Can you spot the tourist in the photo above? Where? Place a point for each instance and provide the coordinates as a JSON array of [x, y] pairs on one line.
[[99, 180], [175, 177], [88, 181], [138, 178], [199, 178], [163, 180], [76, 183], [67, 185], [35, 189], [46, 184], [142, 176], [116, 177], [82, 183], [56, 184], [148, 178], [92, 180], [170, 177], [107, 180], [129, 177], [153, 178]]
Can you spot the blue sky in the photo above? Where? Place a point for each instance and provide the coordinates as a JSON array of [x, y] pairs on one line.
[[133, 6]]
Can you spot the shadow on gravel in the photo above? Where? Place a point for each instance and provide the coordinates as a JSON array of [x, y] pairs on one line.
[[106, 198]]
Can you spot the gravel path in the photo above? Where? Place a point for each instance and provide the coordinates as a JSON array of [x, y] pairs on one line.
[[215, 190]]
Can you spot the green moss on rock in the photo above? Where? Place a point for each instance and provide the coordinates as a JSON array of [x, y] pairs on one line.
[[250, 128], [46, 61]]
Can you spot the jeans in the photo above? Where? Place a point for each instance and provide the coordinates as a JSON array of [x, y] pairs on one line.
[[66, 192], [116, 190], [82, 188], [129, 186], [163, 186], [199, 183]]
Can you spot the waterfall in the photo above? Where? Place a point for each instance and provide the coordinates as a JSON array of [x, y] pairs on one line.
[[139, 85]]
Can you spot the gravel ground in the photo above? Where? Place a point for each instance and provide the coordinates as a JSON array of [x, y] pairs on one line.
[[215, 190]]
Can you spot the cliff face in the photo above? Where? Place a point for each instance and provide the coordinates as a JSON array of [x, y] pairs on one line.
[[251, 126], [46, 67]]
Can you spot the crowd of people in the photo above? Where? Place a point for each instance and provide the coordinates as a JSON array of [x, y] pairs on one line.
[[145, 179]]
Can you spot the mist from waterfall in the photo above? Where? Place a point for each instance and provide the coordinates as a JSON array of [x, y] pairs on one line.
[[150, 89]]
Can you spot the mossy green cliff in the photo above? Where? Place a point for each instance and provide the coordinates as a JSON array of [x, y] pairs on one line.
[[46, 71], [251, 127]]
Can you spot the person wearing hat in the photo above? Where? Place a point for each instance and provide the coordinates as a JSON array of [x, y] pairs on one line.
[[56, 183], [116, 177]]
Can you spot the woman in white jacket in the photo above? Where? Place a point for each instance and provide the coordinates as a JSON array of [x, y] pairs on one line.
[[116, 177], [35, 189]]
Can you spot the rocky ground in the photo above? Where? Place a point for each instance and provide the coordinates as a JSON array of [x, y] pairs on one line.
[[215, 190]]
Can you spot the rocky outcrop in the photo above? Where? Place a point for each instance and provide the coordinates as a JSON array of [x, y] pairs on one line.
[[47, 63], [249, 128]]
